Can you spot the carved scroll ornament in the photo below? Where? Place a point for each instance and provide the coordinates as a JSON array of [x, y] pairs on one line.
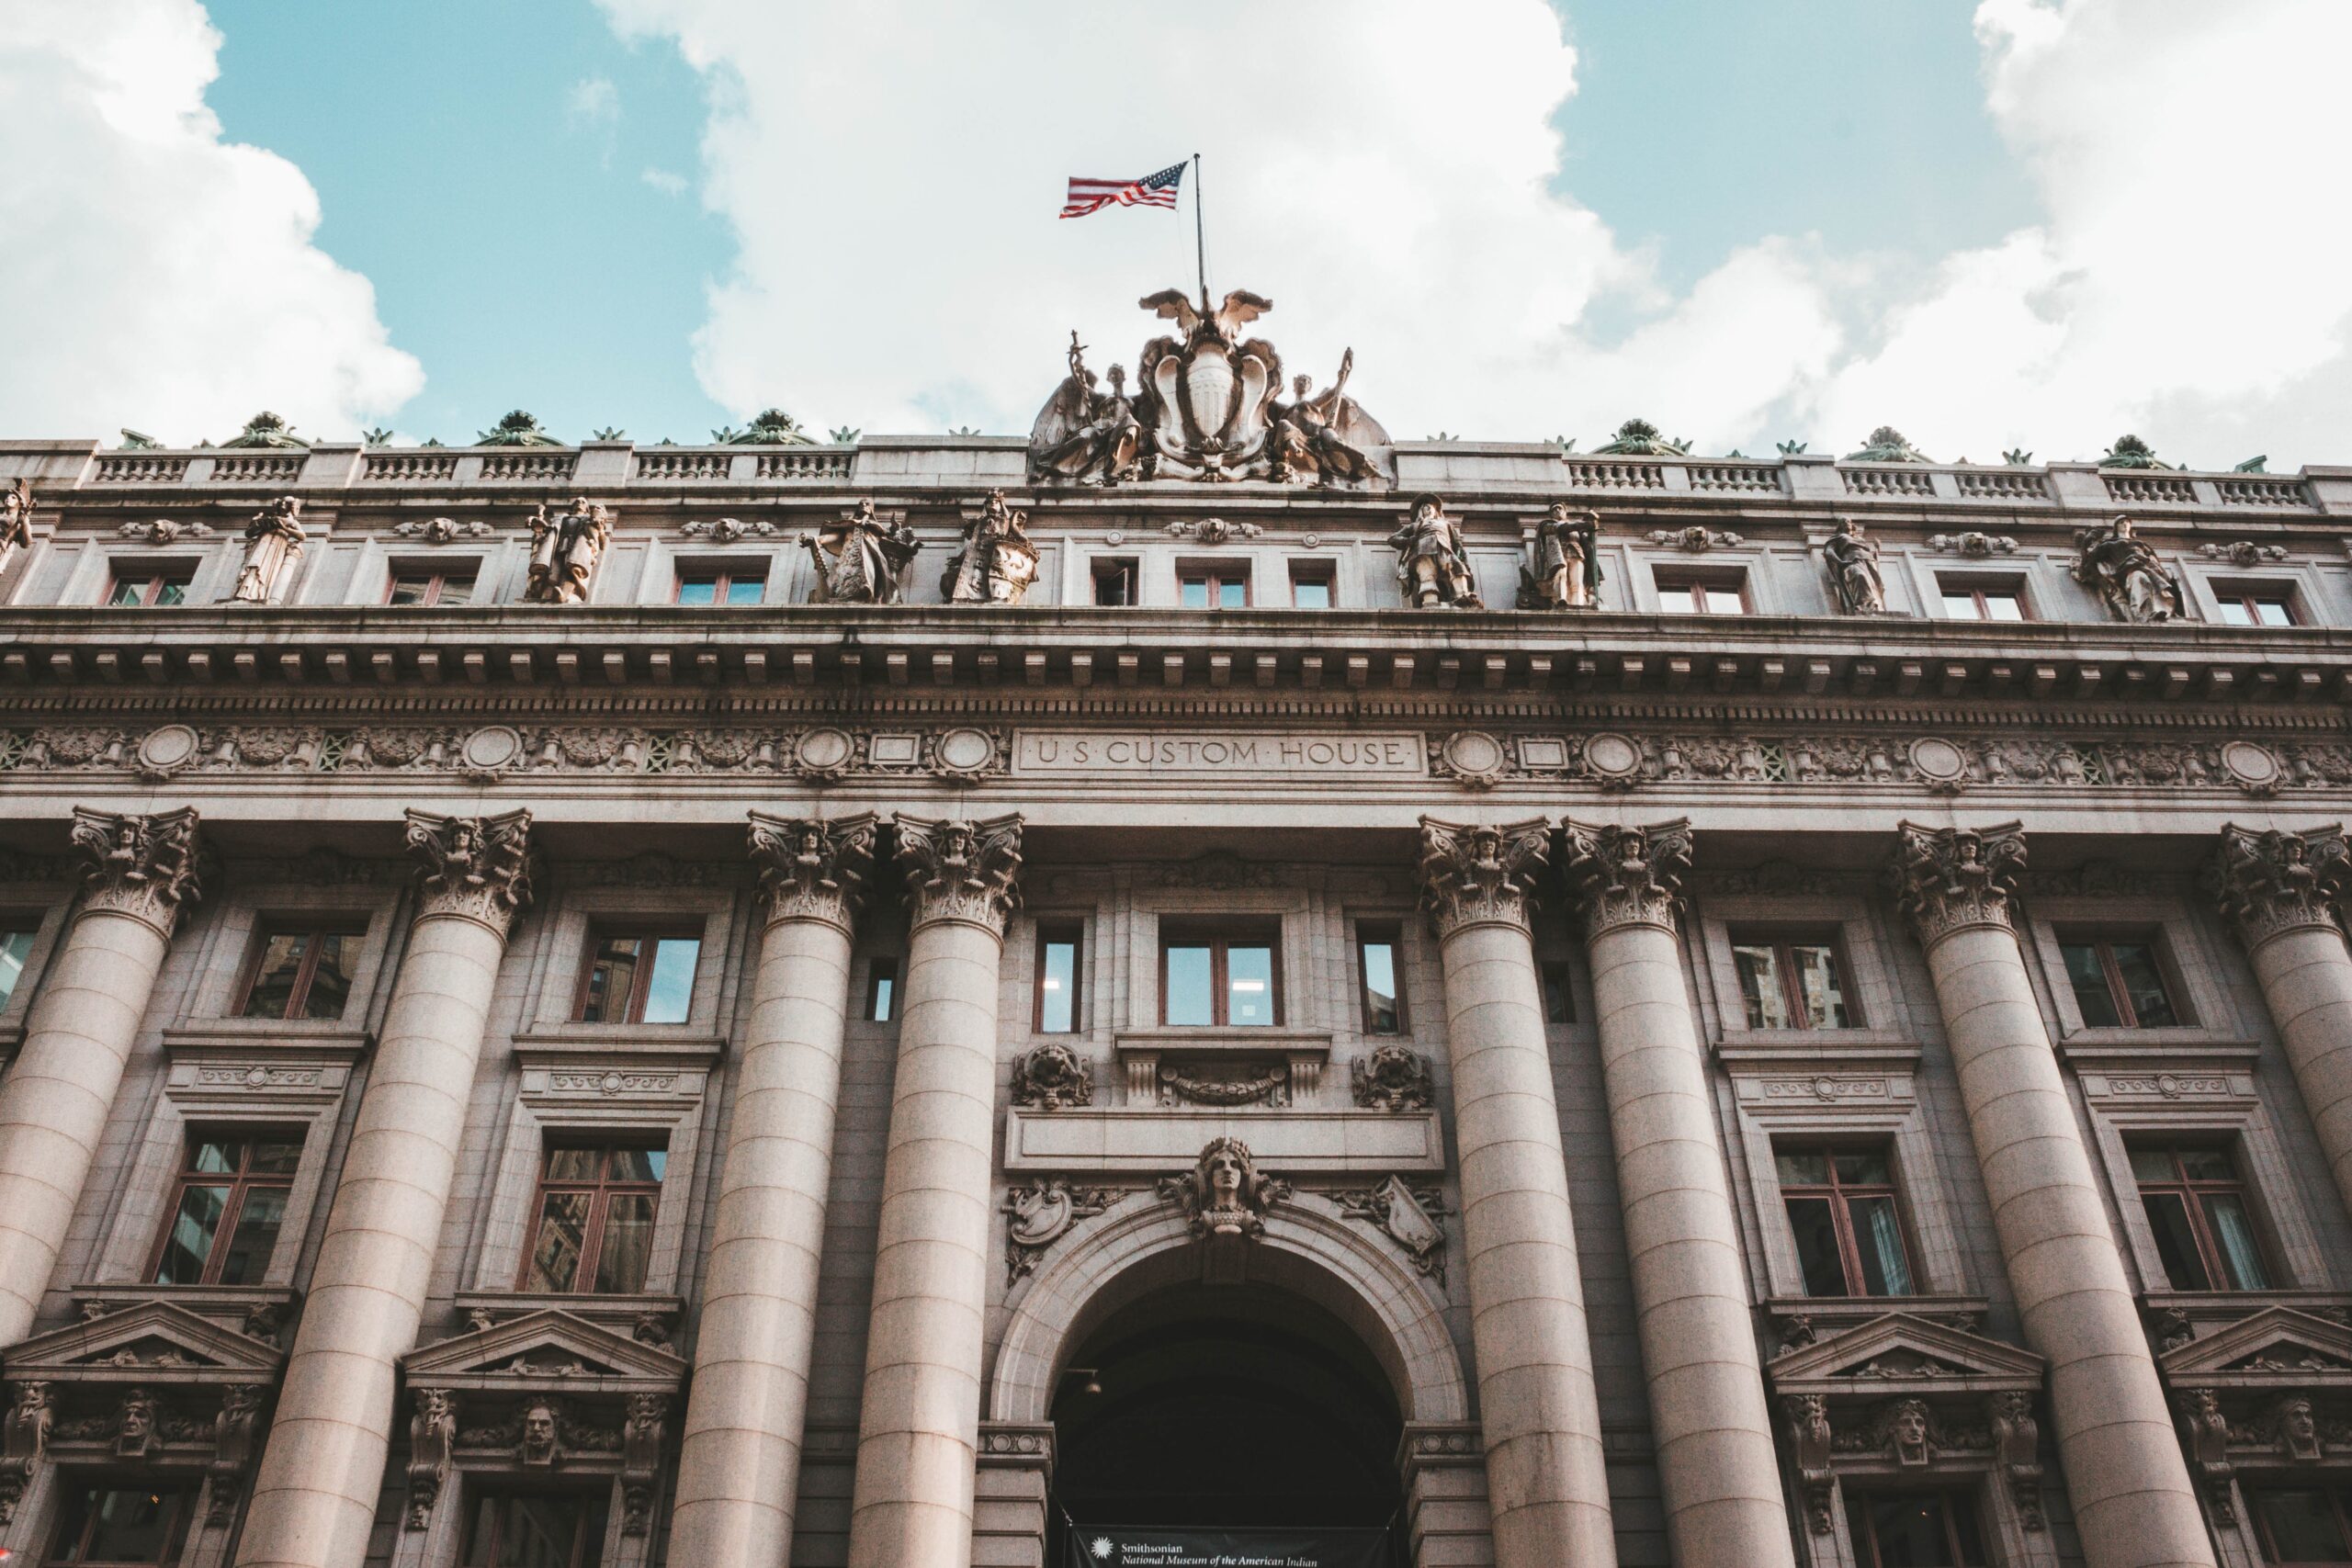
[[2270, 881], [432, 1436], [642, 1434], [477, 867], [962, 871], [1628, 875], [1473, 873], [236, 1433], [1810, 1441], [144, 866], [813, 870], [1948, 879], [24, 1443]]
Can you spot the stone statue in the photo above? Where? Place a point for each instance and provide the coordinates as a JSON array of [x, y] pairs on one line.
[[1224, 1195], [1207, 398], [2297, 1430], [565, 549], [1563, 568], [1909, 1435], [16, 520], [542, 1442], [273, 544], [997, 562], [1853, 569], [1432, 568], [432, 1434], [862, 558], [1050, 1078], [1085, 434], [1327, 435], [2126, 572]]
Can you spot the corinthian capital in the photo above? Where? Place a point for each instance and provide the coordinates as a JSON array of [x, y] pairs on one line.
[[144, 866], [1471, 873], [2268, 882], [1628, 875], [1947, 878], [477, 868], [812, 870], [962, 871]]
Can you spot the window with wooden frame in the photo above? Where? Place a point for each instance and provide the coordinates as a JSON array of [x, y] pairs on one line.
[[301, 972], [1223, 586], [1845, 1219], [2256, 603], [592, 1227], [150, 588], [1311, 585], [1380, 970], [636, 975], [535, 1529], [107, 1525], [1223, 975], [2302, 1526], [15, 952], [1790, 982], [1114, 581], [2120, 981], [1055, 1003], [1701, 594], [227, 1208], [1914, 1529], [2198, 1209], [1982, 598], [426, 588], [881, 989], [734, 585]]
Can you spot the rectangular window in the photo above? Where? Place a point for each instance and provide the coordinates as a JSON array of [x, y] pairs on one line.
[[1966, 599], [1214, 588], [638, 977], [1378, 968], [1220, 980], [1848, 1227], [1559, 996], [151, 590], [1310, 586], [1114, 581], [227, 1208], [2119, 983], [2299, 1525], [1679, 595], [745, 585], [2197, 1207], [15, 952], [301, 973], [593, 1225], [1056, 1011], [430, 587], [536, 1529], [881, 989], [109, 1525], [1914, 1529], [1791, 983], [2255, 604]]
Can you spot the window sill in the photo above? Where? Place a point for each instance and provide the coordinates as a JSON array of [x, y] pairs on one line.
[[1217, 1038], [681, 1041], [1780, 1047], [2144, 1047], [241, 1035]]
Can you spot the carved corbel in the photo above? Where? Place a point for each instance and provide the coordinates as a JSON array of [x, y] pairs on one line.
[[1628, 875], [477, 867], [962, 871], [142, 866], [24, 1443], [1948, 879], [236, 1433], [432, 1436], [2268, 882], [1811, 1441], [2016, 1449], [2205, 1432], [1473, 873], [642, 1440], [814, 870], [1907, 1429]]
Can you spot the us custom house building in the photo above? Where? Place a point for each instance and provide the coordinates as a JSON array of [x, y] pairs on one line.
[[915, 1001]]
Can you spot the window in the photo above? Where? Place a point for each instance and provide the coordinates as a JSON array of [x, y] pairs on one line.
[[595, 1219], [1968, 599], [1560, 997], [881, 989], [1310, 586], [1227, 980], [1848, 1226], [1383, 993], [150, 589], [1701, 596], [100, 1525], [1114, 581], [234, 1186], [302, 974], [1914, 1529], [638, 977], [747, 585], [15, 951], [1057, 1000], [2119, 983], [2255, 604], [2302, 1525], [1791, 983], [2197, 1207], [429, 588], [1214, 588], [536, 1529]]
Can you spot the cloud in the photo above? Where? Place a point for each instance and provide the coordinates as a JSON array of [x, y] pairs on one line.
[[155, 275], [592, 101], [664, 181]]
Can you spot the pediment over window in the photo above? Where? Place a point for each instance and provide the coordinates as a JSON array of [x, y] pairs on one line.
[[549, 1351], [2277, 1347], [1899, 1354], [157, 1343]]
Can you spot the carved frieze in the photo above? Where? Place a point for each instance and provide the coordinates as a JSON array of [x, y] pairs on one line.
[[811, 869], [477, 868], [961, 870], [2268, 880], [1947, 879], [1625, 875], [1475, 873], [142, 866]]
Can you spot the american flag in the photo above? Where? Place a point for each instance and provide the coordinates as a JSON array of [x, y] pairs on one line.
[[1152, 190]]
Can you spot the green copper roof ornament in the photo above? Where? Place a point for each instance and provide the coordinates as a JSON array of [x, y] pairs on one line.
[[517, 429], [1791, 448], [376, 436], [2016, 456], [608, 432], [771, 427], [1886, 445], [846, 436], [2131, 452], [1639, 438], [266, 428], [2257, 464], [137, 441]]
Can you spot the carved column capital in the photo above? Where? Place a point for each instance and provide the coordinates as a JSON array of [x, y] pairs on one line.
[[961, 871], [813, 870], [2270, 881], [478, 868], [1628, 875], [1948, 879], [1475, 874], [141, 866]]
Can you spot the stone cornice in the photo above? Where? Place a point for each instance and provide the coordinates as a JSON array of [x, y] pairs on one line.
[[141, 866], [1627, 876], [961, 870], [813, 870], [1949, 879], [2269, 881], [1473, 873], [475, 868]]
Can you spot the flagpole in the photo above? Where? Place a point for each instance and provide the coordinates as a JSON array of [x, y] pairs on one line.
[[1200, 243]]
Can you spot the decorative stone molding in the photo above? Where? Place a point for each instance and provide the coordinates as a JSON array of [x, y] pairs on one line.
[[1212, 530], [1224, 1194], [474, 867], [236, 1433], [142, 866], [1041, 1213], [1050, 1078], [1974, 544], [2270, 1393], [1407, 1215], [726, 530], [2242, 552], [1810, 1444], [432, 1434], [165, 531], [1473, 873], [813, 869], [441, 530], [1947, 879], [644, 1432], [1628, 875], [2269, 881], [961, 870], [1695, 538], [24, 1443], [1392, 1077]]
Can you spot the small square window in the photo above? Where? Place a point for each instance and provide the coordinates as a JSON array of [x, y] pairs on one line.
[[15, 952], [2256, 605], [2120, 982], [227, 1208], [1114, 581], [1914, 1529], [1057, 1000], [881, 989], [536, 1529], [1310, 586], [639, 976], [105, 1524], [302, 972], [746, 585], [593, 1219], [1214, 588], [1212, 977], [1981, 599], [429, 589], [150, 589], [2198, 1213], [1679, 594], [1382, 974], [1845, 1218], [1790, 982], [1559, 996]]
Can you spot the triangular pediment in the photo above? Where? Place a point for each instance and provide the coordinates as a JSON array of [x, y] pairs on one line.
[[545, 1348], [2276, 1342], [152, 1342], [1901, 1351]]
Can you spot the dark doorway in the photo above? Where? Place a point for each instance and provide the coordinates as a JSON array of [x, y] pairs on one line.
[[1225, 1406]]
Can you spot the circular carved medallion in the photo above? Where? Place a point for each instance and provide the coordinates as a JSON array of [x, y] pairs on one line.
[[1475, 755], [965, 750], [823, 751], [493, 746], [169, 747], [1612, 756], [1937, 760], [2255, 767]]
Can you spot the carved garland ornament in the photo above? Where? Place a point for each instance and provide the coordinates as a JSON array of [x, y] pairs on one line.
[[2269, 881], [477, 868], [1628, 875], [141, 866], [1948, 879], [962, 871], [1472, 873], [813, 870]]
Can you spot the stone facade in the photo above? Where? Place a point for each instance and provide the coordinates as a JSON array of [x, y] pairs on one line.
[[1558, 965]]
